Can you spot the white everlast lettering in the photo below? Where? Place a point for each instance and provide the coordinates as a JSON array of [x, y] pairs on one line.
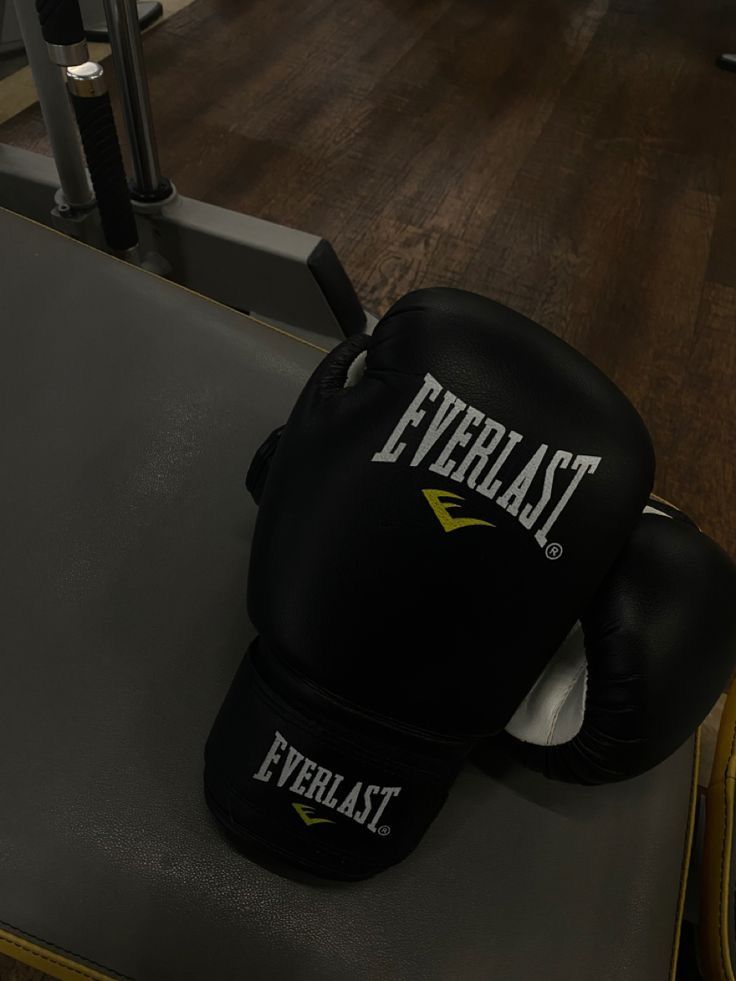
[[449, 409], [412, 417], [388, 793], [348, 805], [443, 464], [583, 465], [311, 781], [293, 759], [515, 493], [319, 784], [330, 800], [308, 767], [480, 452], [530, 515], [369, 791], [490, 487], [489, 446], [272, 756]]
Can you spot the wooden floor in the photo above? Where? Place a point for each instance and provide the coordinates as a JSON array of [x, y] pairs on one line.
[[13, 971], [574, 159]]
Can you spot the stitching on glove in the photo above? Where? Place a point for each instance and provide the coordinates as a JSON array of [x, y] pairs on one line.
[[565, 695], [344, 743], [723, 856], [49, 956]]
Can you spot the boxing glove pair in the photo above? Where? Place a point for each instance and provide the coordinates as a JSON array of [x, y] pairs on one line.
[[646, 662], [446, 498]]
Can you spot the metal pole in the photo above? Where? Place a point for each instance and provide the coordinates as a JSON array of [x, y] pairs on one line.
[[127, 53], [58, 117]]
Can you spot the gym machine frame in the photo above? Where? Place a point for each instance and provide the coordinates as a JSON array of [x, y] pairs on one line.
[[286, 276], [93, 17]]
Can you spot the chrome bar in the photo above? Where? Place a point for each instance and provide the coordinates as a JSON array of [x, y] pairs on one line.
[[127, 52], [56, 109]]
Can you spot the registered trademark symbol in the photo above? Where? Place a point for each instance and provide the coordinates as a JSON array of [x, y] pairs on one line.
[[553, 550], [384, 830]]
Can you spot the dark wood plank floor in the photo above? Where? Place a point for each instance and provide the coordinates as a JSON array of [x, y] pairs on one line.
[[11, 970], [575, 159]]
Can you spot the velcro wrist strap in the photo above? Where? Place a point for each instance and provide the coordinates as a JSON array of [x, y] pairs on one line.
[[324, 787]]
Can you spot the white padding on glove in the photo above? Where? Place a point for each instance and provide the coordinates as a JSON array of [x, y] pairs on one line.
[[552, 713]]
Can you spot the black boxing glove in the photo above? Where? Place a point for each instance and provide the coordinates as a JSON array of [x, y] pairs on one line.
[[649, 658], [255, 479], [446, 495]]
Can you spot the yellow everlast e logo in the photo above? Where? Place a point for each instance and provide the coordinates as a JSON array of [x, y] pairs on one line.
[[436, 500], [456, 440], [305, 813]]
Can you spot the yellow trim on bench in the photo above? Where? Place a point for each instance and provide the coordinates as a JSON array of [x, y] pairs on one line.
[[47, 961], [686, 857], [18, 948], [715, 900], [248, 317], [67, 970]]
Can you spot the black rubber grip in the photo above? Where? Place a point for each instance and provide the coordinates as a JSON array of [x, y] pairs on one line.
[[61, 21], [337, 288], [105, 163]]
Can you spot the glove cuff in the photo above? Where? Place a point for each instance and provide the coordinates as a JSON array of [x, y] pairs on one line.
[[320, 784]]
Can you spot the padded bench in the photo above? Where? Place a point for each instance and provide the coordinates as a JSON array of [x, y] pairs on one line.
[[131, 409]]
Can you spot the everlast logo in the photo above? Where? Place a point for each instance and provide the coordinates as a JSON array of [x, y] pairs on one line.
[[488, 444], [292, 770]]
